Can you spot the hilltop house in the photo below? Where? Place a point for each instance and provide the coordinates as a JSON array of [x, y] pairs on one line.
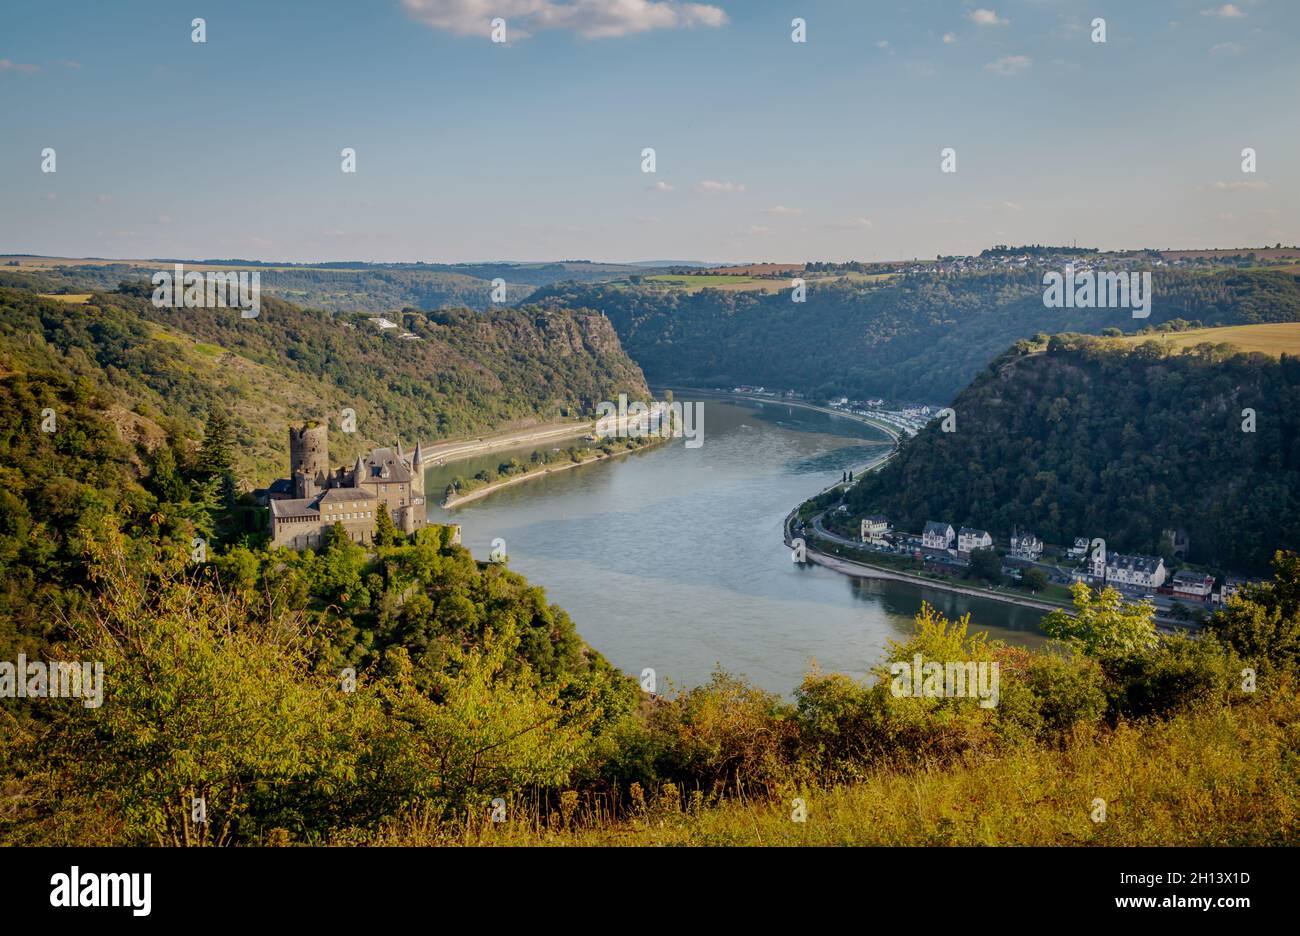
[[1026, 546], [874, 528], [937, 535], [970, 539], [304, 506], [1079, 549]]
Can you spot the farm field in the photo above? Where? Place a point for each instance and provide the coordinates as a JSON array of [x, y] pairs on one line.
[[1272, 339]]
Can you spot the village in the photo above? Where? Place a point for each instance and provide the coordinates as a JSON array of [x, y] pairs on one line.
[[943, 549]]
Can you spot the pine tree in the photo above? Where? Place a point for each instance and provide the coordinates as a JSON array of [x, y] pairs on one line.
[[216, 454], [386, 533]]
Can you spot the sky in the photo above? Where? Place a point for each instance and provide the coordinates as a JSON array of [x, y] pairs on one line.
[[531, 149]]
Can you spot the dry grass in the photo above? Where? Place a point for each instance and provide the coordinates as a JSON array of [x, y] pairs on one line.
[[1220, 776], [1273, 339]]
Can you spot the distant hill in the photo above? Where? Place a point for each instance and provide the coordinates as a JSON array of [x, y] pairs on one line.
[[1095, 438], [342, 287], [464, 372], [918, 337]]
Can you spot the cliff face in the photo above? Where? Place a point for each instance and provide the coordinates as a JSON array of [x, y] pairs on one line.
[[1097, 440]]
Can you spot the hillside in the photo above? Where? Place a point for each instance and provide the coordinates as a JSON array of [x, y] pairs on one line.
[[1093, 438], [338, 287], [468, 372], [917, 337]]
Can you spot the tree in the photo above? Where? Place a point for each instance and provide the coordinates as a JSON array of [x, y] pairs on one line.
[[1034, 579], [216, 454], [1104, 623], [986, 564], [1262, 622], [386, 532]]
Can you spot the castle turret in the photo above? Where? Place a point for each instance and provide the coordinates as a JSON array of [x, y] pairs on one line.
[[309, 458], [417, 471], [358, 472]]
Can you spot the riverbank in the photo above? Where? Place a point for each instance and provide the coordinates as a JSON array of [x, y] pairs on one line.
[[442, 452], [884, 427], [477, 493]]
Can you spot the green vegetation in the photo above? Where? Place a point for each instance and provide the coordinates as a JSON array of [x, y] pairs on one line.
[[467, 372], [916, 337], [1094, 438], [389, 695]]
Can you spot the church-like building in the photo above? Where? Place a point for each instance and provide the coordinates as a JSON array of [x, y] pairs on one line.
[[315, 497]]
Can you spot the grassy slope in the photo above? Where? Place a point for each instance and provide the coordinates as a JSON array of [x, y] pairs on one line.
[[1272, 339], [1212, 777]]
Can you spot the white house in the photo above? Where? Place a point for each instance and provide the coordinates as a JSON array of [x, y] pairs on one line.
[[937, 535], [1026, 546], [1141, 571], [970, 539], [1079, 549], [874, 528]]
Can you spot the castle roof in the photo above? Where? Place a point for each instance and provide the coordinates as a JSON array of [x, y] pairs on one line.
[[383, 464], [295, 508], [335, 495]]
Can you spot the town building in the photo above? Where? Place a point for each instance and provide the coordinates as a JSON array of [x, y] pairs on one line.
[[315, 497], [1079, 549], [937, 535], [970, 539], [1136, 570], [874, 528], [1194, 585], [1026, 546]]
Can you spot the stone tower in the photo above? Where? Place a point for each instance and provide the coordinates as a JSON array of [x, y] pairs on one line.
[[309, 459]]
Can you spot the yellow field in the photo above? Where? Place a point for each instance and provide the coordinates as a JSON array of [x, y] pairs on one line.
[[1272, 340], [72, 298]]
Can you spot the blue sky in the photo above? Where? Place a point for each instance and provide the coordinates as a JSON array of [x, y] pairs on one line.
[[531, 150]]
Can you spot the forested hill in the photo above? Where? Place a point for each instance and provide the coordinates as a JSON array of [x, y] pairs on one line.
[[919, 337], [342, 287], [1094, 437], [464, 372]]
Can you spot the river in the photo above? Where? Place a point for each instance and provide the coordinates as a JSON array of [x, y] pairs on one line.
[[671, 559]]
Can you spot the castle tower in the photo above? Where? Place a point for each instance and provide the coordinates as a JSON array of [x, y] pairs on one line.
[[417, 471], [309, 458]]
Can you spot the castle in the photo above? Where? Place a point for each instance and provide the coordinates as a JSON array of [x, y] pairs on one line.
[[314, 498]]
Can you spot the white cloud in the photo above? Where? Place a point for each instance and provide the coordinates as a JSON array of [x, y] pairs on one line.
[[25, 67], [983, 17], [757, 229], [1227, 48], [103, 199], [713, 187], [591, 19], [783, 211], [851, 224], [1243, 184], [949, 38], [1009, 65], [662, 187], [1227, 11]]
